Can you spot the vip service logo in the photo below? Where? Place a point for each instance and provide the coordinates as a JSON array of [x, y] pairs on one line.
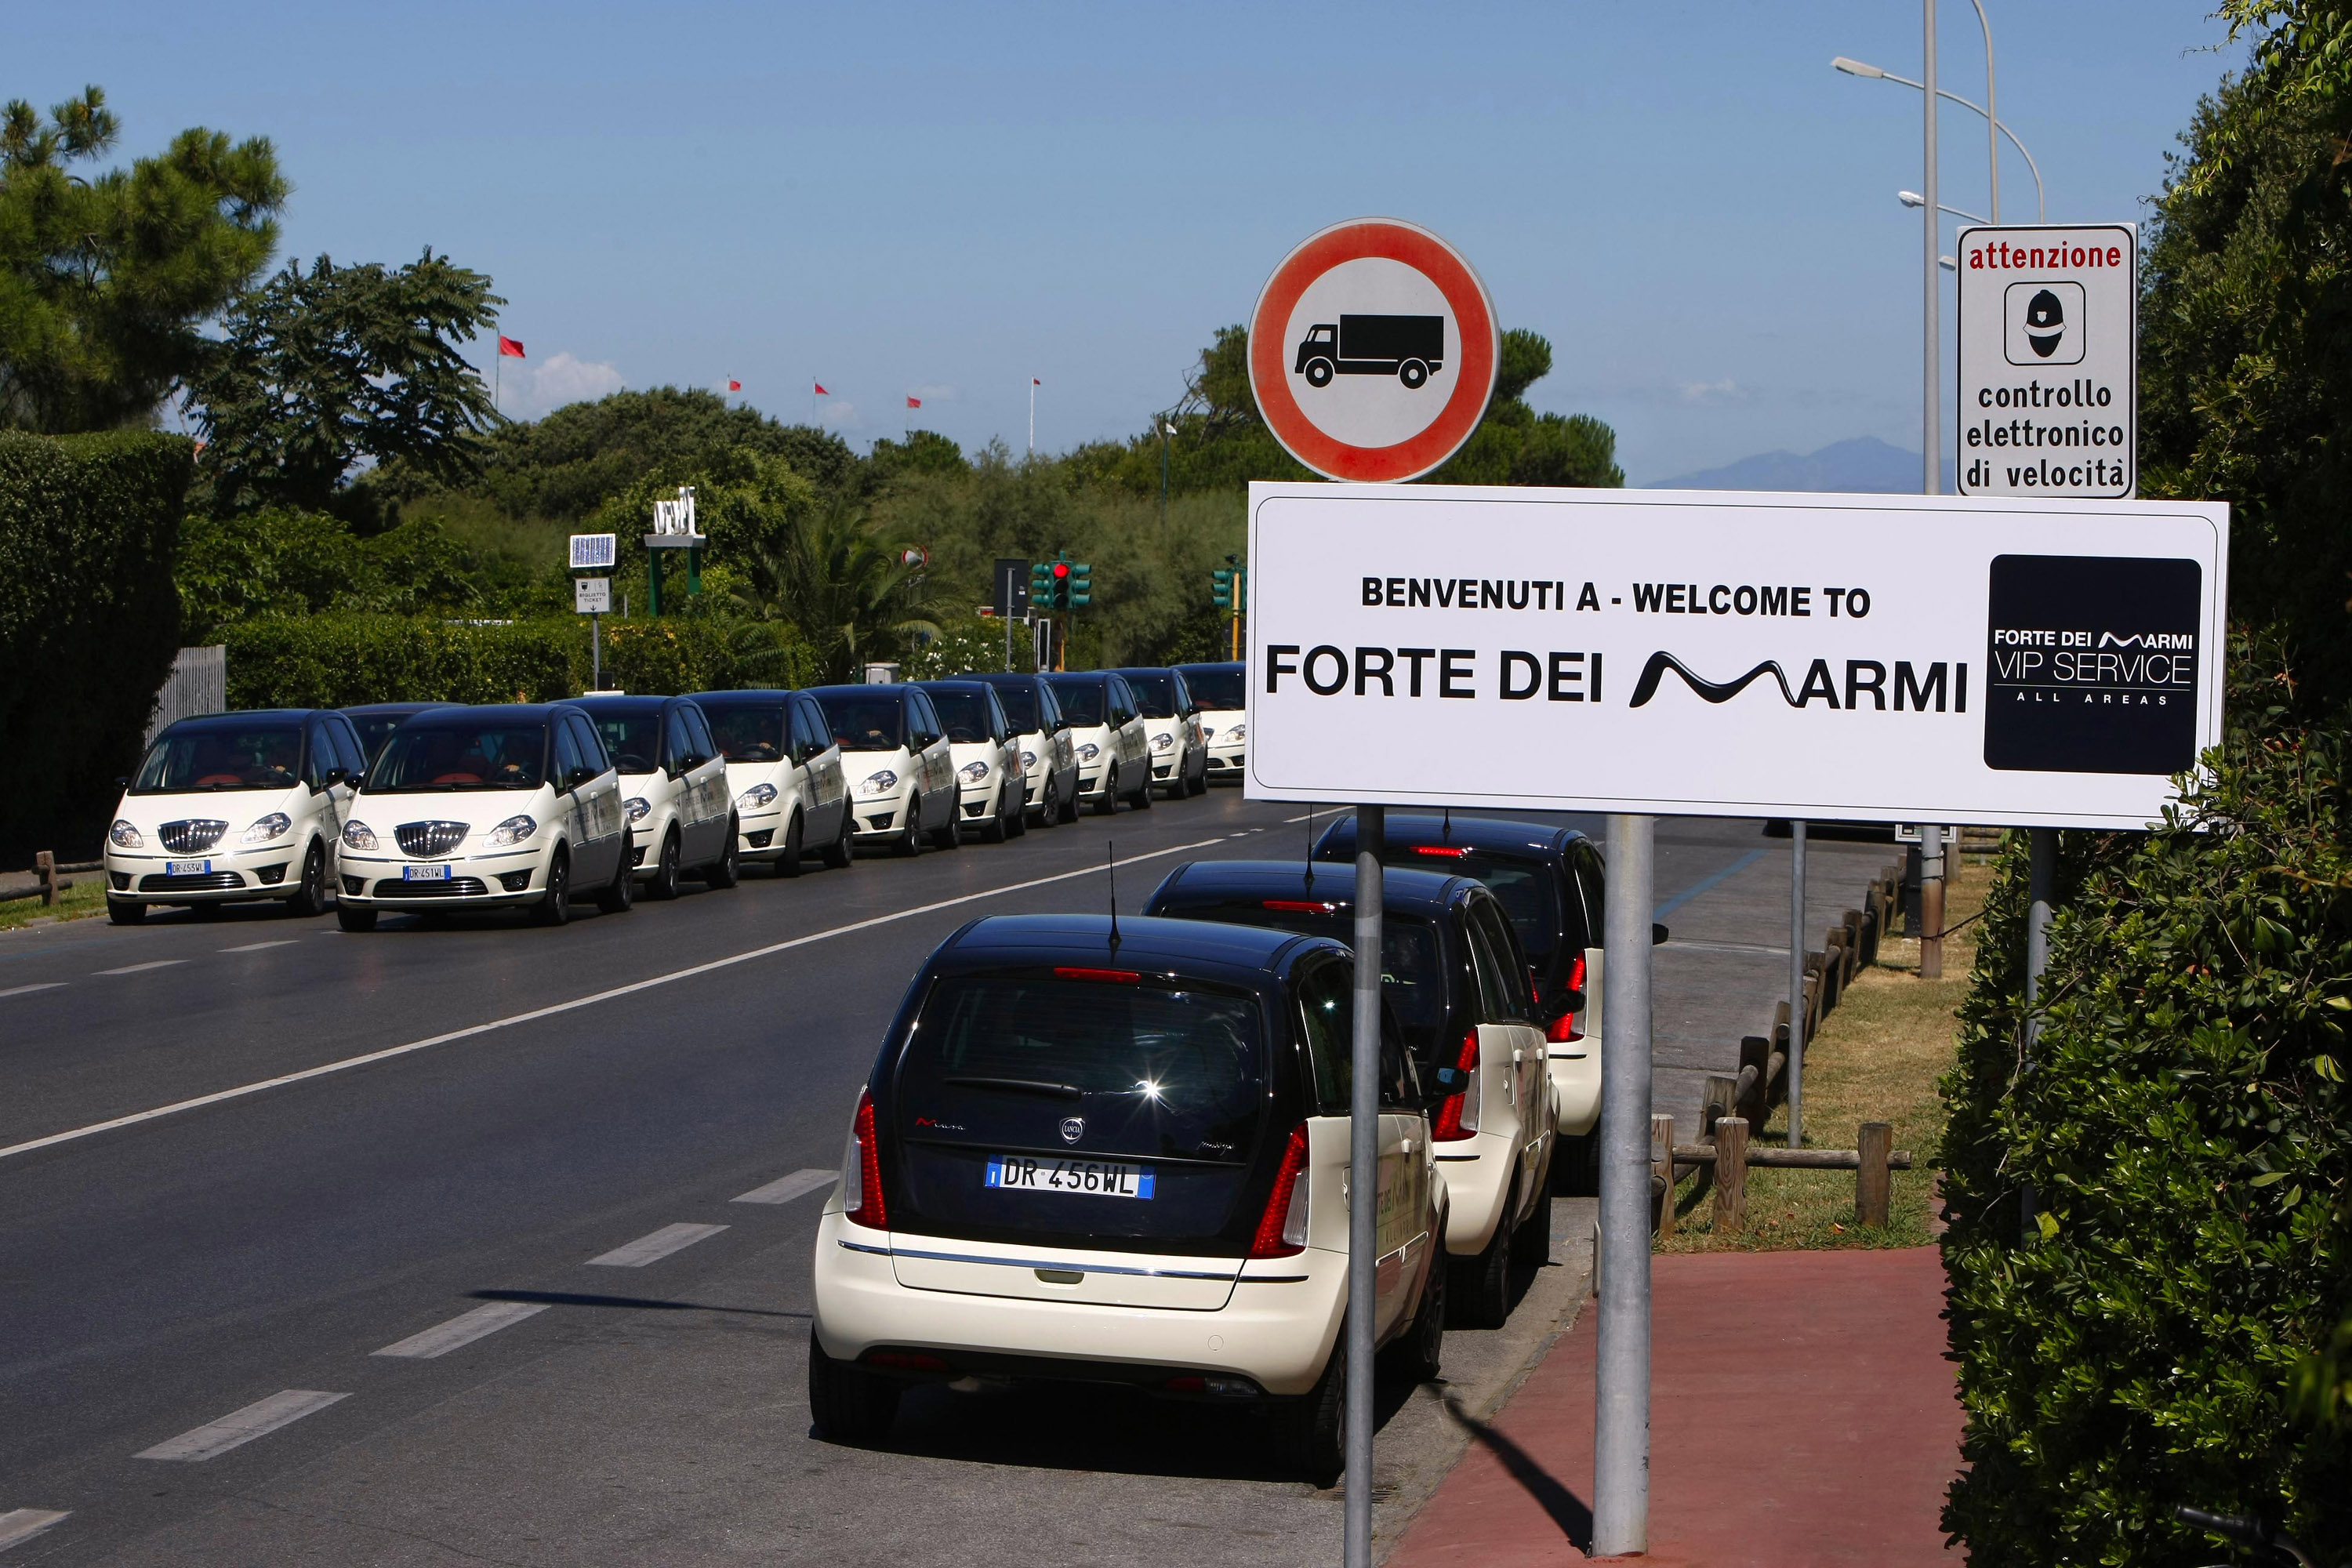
[[2093, 663]]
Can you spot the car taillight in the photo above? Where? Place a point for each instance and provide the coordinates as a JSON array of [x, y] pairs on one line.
[[1300, 906], [1101, 977], [1563, 1028], [1282, 1229], [861, 1170], [1439, 852], [1457, 1113]]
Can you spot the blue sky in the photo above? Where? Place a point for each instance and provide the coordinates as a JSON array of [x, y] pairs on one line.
[[944, 200]]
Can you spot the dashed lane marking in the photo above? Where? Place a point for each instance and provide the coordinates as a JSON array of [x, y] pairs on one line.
[[150, 963], [257, 946], [463, 1330], [21, 990], [21, 1524], [784, 1189], [238, 1427], [653, 1248]]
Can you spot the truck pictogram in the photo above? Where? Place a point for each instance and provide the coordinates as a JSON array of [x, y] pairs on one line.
[[1410, 348]]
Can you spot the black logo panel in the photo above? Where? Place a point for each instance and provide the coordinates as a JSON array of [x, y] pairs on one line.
[[2093, 665]]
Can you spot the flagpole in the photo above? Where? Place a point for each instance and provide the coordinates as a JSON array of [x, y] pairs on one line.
[[1033, 416]]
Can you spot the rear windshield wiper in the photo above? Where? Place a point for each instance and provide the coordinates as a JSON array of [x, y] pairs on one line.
[[1020, 1085]]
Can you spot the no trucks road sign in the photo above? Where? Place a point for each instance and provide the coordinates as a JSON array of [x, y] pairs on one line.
[[1372, 351]]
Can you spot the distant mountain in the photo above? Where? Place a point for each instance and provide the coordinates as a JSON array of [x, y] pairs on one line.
[[1865, 463]]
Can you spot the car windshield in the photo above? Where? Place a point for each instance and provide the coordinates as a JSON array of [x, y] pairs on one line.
[[1155, 695], [634, 739], [863, 723], [745, 733], [1220, 689], [965, 713], [443, 755], [375, 730], [1526, 889], [1081, 700], [262, 756], [1020, 707], [1413, 969]]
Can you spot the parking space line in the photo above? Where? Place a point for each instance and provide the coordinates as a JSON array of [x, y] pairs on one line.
[[239, 1428], [20, 990], [591, 1000], [784, 1189], [150, 963], [653, 1248], [1706, 883], [463, 1330], [20, 1524], [257, 946]]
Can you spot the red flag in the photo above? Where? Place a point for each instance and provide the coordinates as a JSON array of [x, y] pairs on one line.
[[734, 384], [510, 347], [820, 392], [1034, 381], [914, 403]]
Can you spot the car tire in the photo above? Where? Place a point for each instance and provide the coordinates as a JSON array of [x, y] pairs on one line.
[[554, 906], [1481, 1286], [1310, 1433], [619, 895], [1108, 803], [354, 917], [662, 883], [952, 835], [1070, 806], [910, 831], [997, 828], [1143, 796], [1418, 1355], [1576, 1165], [788, 864], [1049, 810], [1199, 785], [838, 853], [310, 893], [126, 911], [1016, 824], [726, 871], [848, 1404], [1532, 1243]]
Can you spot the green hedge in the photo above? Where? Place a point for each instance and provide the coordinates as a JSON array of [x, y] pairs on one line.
[[2152, 1207], [90, 623], [338, 660]]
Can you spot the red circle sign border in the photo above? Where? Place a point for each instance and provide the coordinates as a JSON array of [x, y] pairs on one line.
[[1395, 240]]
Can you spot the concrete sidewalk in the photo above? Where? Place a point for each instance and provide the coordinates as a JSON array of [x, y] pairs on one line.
[[1801, 1413]]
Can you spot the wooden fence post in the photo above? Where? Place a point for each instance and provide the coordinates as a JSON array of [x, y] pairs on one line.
[[45, 867], [1662, 1130], [1871, 1181], [1730, 1175]]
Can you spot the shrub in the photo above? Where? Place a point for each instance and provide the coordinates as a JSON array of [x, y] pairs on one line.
[[90, 623]]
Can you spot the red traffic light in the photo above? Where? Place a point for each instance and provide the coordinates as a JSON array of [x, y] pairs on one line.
[[1061, 568]]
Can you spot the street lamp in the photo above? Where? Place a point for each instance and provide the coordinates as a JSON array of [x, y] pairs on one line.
[[1166, 430], [1914, 199], [1871, 72]]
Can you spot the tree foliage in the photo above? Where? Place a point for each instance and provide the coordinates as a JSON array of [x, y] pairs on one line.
[[106, 280]]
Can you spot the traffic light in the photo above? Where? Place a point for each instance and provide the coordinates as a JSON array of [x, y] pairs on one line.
[[1040, 586], [1059, 585], [1222, 590], [1082, 585]]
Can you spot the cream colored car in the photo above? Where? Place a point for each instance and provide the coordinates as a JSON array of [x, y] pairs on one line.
[[991, 785], [784, 771], [1106, 733], [900, 766], [674, 787], [1171, 730], [1220, 692]]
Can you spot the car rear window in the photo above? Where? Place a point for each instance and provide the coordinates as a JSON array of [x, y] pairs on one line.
[[222, 758], [1412, 956], [1082, 700], [861, 723], [457, 756], [1219, 689], [1527, 890], [748, 734]]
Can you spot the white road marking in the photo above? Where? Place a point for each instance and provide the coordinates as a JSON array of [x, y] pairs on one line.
[[150, 963], [239, 1428], [257, 946], [653, 1248], [592, 999], [20, 990], [784, 1189], [20, 1524], [1756, 949], [464, 1330]]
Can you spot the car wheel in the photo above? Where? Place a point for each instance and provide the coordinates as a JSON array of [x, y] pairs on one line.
[[1070, 805], [788, 864], [1200, 782], [1576, 1167], [1143, 796], [844, 847], [125, 911], [354, 917], [1108, 803], [311, 894], [1481, 1287], [996, 828], [554, 907], [1532, 1243], [662, 883], [1418, 1355], [848, 1404], [726, 871], [952, 835], [910, 831], [619, 896], [1017, 822], [1310, 1433]]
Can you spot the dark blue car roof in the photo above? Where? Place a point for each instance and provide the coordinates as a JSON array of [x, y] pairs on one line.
[[379, 709], [1203, 949], [884, 688], [622, 704], [1402, 892], [242, 716], [1416, 828]]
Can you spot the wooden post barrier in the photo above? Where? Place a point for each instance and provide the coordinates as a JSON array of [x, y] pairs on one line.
[[1662, 1133], [1773, 1156], [1756, 1069], [1833, 967], [1730, 1175], [1852, 950], [1872, 1185]]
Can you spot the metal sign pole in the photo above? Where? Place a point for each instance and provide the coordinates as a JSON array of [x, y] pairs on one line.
[[1620, 1439], [1796, 986], [1363, 1182], [596, 649], [2040, 885]]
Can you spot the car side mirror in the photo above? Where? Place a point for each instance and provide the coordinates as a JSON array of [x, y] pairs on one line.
[[1568, 1001], [337, 775], [122, 781], [577, 777], [1657, 935], [1450, 1080]]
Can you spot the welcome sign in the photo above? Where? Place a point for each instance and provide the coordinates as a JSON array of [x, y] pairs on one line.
[[1875, 658]]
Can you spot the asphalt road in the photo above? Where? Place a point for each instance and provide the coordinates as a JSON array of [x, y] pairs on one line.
[[551, 1131]]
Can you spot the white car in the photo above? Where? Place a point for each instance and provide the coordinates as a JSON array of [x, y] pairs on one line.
[[1220, 691], [494, 807], [1106, 733], [233, 808], [992, 783], [1043, 734], [674, 786], [1172, 729], [900, 768], [784, 772], [1087, 1162]]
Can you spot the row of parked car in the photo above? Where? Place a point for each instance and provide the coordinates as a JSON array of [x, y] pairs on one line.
[[430, 808]]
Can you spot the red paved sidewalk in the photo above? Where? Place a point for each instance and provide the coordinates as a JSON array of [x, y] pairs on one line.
[[1801, 1413]]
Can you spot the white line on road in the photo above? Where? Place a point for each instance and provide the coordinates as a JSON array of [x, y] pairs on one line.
[[784, 1189], [150, 963], [1758, 949], [653, 1248], [592, 999], [257, 946], [19, 1524], [20, 990], [239, 1428], [464, 1330]]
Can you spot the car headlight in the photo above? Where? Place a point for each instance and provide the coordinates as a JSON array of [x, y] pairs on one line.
[[1238, 733], [1089, 751], [277, 825], [122, 836], [882, 782], [972, 772], [513, 830], [756, 796], [638, 807], [1163, 741], [1028, 760], [358, 835]]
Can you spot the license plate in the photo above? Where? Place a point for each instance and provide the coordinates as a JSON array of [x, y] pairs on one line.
[[187, 868], [425, 873], [1101, 1178]]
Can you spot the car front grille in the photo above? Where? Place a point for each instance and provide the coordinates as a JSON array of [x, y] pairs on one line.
[[211, 882], [427, 839], [191, 837], [454, 888]]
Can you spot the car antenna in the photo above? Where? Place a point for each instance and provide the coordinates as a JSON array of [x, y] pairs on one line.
[[1310, 850], [1111, 865], [1447, 832]]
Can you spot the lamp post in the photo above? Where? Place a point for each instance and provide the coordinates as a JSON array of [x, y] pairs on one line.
[[1166, 430], [1871, 73]]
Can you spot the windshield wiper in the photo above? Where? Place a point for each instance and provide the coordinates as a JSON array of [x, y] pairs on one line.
[[1021, 1085]]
